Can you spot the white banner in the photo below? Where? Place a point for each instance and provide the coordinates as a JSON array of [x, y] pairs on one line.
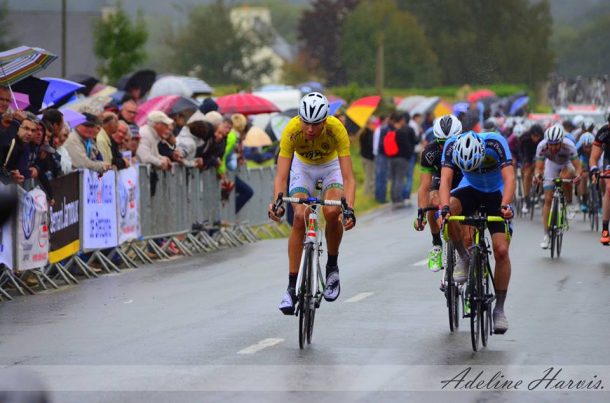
[[6, 243], [33, 230], [129, 204], [99, 218]]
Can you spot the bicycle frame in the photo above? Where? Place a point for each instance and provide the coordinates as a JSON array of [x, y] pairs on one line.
[[558, 197]]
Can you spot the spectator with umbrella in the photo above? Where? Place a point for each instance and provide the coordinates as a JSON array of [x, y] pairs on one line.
[[17, 155], [11, 120]]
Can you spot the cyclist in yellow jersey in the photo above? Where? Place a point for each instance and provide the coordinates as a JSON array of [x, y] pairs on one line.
[[321, 146]]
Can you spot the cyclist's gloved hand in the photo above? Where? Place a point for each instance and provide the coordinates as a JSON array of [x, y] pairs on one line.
[[276, 210], [420, 222], [537, 179], [445, 211], [593, 171], [349, 218], [577, 179], [507, 211]]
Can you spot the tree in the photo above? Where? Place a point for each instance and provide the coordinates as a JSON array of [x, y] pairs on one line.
[[5, 41], [119, 43], [212, 47], [321, 30], [482, 42], [588, 53], [409, 61]]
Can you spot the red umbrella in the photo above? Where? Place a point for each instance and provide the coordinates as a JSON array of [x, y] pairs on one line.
[[480, 94], [162, 103], [245, 103]]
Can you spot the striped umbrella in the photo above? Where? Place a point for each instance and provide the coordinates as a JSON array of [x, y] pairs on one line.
[[19, 63], [361, 110]]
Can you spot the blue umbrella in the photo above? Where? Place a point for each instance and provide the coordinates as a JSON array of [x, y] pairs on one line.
[[58, 89], [518, 105], [460, 107], [72, 118], [310, 86], [334, 106]]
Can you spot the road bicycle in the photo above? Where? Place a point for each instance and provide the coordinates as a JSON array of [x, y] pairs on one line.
[[449, 287], [593, 205], [479, 293], [558, 216], [311, 283], [520, 199]]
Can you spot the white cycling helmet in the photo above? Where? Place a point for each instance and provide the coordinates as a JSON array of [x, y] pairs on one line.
[[588, 124], [313, 108], [578, 120], [518, 130], [586, 139], [468, 151], [447, 126], [554, 134]]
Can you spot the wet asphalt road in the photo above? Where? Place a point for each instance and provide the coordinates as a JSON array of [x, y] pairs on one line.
[[207, 328]]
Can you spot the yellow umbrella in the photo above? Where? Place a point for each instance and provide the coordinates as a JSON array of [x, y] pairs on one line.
[[257, 137], [361, 110], [442, 108]]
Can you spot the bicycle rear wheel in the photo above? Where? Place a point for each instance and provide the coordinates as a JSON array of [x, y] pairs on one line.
[[475, 299], [451, 289]]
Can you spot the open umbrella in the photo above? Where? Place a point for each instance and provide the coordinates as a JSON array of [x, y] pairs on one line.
[[58, 89], [408, 103], [310, 86], [460, 107], [334, 106], [162, 103], [246, 103], [256, 137], [94, 104], [170, 85], [183, 104], [277, 123], [425, 106], [442, 108], [480, 94], [518, 104], [21, 62], [88, 81], [141, 79], [72, 118], [35, 88], [20, 101], [361, 110], [197, 85]]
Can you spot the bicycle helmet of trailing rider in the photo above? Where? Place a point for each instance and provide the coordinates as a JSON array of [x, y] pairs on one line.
[[586, 139], [578, 120], [518, 130], [491, 125], [588, 124], [447, 126], [313, 108], [554, 134], [468, 151]]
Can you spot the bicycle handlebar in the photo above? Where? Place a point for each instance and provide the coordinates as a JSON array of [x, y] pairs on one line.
[[558, 179], [314, 200], [490, 218]]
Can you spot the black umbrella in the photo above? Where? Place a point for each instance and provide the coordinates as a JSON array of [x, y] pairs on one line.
[[142, 79], [184, 104], [88, 81], [35, 88]]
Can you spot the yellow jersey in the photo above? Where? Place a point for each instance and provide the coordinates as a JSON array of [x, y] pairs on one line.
[[333, 142]]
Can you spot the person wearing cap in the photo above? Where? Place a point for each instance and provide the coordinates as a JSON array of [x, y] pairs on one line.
[[208, 105], [82, 148], [158, 127]]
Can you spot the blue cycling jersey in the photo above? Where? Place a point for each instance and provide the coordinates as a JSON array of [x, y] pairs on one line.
[[571, 137], [487, 178]]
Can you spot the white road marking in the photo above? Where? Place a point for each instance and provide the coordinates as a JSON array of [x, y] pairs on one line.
[[421, 263], [263, 344], [359, 297]]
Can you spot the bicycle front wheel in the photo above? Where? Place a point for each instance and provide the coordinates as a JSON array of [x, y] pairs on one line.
[[305, 298], [475, 299], [451, 289], [553, 225]]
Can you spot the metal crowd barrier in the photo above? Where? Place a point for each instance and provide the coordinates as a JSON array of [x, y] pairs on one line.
[[182, 207]]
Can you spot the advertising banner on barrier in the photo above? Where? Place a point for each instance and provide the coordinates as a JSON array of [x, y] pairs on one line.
[[129, 204], [32, 230], [6, 243], [99, 219], [65, 239]]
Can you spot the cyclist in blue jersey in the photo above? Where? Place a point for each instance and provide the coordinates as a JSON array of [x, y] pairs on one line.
[[489, 181], [584, 147]]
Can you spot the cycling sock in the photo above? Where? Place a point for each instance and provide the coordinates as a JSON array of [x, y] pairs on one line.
[[436, 240], [605, 225], [292, 280], [332, 260], [500, 297]]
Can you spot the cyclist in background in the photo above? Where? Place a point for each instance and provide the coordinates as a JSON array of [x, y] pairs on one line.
[[584, 147], [322, 149], [555, 156], [444, 127], [489, 180], [528, 143], [602, 145]]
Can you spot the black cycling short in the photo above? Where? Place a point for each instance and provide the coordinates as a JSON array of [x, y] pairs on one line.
[[472, 199]]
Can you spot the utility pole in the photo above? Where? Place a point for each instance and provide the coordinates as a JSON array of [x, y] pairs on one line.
[[64, 55], [379, 64]]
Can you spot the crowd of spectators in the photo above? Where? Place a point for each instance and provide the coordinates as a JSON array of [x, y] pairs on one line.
[[43, 147]]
